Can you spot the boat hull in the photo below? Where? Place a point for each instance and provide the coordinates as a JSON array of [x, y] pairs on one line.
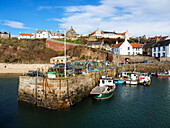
[[119, 81], [163, 75], [103, 96], [132, 82]]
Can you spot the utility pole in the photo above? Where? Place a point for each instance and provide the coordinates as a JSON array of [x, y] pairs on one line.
[[65, 53]]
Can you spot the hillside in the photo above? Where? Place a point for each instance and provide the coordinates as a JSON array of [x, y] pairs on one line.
[[25, 51]]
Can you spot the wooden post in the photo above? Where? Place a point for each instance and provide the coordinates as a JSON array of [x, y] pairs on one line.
[[60, 88], [67, 88]]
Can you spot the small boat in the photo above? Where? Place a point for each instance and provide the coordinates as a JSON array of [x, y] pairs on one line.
[[119, 80], [154, 74], [166, 74], [105, 89], [133, 79], [144, 78]]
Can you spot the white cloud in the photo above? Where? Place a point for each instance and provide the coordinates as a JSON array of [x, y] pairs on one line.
[[150, 17], [15, 24]]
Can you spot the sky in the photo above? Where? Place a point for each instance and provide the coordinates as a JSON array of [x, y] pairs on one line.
[[139, 17]]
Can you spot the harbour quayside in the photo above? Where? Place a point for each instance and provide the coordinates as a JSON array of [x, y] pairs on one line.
[[105, 89]]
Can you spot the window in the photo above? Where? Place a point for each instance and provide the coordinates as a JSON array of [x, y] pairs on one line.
[[128, 48], [154, 54], [61, 60], [128, 53], [163, 48], [158, 54], [57, 60], [154, 49], [158, 49], [163, 54]]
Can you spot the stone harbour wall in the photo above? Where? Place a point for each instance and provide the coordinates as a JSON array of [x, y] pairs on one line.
[[58, 93], [149, 68]]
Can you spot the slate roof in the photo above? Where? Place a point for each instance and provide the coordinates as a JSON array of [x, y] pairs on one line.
[[3, 32], [95, 43], [148, 45], [162, 43], [105, 32]]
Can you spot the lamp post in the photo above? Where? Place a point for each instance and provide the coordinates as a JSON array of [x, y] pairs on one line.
[[65, 53]]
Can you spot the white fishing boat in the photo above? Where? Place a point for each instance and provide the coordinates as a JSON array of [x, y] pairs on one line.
[[105, 89], [144, 78], [133, 78]]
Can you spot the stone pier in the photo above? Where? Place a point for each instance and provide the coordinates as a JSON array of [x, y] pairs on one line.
[[58, 93], [149, 68]]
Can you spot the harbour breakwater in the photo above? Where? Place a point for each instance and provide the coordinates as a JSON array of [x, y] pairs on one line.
[[58, 93], [146, 67]]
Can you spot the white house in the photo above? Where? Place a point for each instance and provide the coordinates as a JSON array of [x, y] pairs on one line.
[[123, 48], [136, 49], [161, 49], [84, 35], [26, 36], [43, 34], [57, 35], [96, 33], [112, 35]]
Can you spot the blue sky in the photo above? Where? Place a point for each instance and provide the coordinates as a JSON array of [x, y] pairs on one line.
[[139, 17]]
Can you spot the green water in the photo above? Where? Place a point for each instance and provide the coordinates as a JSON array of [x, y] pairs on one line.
[[130, 107]]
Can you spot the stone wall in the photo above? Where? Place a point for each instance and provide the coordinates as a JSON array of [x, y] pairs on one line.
[[149, 68], [58, 45], [164, 59], [58, 93]]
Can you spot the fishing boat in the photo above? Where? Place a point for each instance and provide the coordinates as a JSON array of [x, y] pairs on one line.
[[133, 78], [144, 78], [105, 89], [166, 74]]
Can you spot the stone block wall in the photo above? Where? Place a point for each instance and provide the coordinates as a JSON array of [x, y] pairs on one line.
[[58, 93]]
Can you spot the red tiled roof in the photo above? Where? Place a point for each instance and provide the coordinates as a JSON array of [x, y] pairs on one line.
[[118, 45], [135, 45], [26, 34], [121, 33], [92, 33], [158, 37]]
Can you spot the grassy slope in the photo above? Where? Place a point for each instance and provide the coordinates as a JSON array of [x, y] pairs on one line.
[[26, 51]]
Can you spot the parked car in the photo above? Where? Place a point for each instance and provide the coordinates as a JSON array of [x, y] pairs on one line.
[[34, 73]]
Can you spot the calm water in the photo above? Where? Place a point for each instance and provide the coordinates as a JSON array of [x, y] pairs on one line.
[[130, 107]]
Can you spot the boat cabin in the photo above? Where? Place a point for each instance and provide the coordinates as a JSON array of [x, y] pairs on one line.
[[106, 81]]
